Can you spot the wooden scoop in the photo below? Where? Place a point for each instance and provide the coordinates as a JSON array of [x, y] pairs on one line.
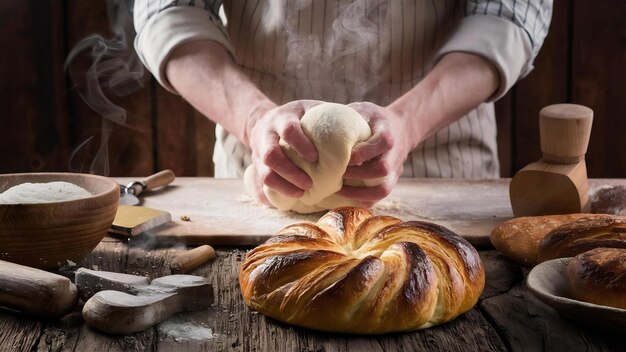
[[118, 312], [35, 292]]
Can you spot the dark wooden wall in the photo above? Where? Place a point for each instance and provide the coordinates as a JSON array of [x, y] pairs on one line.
[[583, 61]]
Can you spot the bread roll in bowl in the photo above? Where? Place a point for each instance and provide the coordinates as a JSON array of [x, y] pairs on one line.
[[353, 272], [599, 276]]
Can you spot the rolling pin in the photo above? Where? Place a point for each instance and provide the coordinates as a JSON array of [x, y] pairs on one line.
[[140, 306], [36, 292]]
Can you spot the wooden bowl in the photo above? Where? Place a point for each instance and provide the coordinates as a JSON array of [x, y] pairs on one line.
[[47, 235]]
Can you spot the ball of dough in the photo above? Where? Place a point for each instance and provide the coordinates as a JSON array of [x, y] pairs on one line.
[[333, 129]]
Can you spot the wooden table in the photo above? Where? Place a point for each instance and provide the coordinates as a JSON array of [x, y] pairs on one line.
[[507, 317]]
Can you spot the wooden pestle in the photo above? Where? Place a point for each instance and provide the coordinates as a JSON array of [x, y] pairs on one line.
[[556, 184]]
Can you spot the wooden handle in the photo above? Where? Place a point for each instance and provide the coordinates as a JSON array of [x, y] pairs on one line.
[[564, 131], [189, 260], [160, 179], [36, 292]]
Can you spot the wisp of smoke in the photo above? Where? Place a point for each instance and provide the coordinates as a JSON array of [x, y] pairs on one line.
[[115, 68], [353, 31]]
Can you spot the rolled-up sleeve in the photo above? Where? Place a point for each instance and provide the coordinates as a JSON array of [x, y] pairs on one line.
[[162, 26], [508, 33]]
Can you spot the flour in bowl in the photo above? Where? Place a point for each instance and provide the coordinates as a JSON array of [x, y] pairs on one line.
[[30, 193]]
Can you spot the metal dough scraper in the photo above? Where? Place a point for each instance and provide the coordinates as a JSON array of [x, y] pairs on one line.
[[130, 219]]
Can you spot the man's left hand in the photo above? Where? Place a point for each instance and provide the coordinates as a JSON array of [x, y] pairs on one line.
[[380, 156]]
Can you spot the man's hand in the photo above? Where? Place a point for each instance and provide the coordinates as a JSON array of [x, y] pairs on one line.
[[458, 83], [380, 156], [272, 167], [202, 69]]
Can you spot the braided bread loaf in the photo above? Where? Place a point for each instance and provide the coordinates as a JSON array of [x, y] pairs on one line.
[[357, 273]]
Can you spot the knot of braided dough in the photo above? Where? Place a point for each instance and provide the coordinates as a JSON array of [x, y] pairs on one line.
[[357, 273], [333, 129]]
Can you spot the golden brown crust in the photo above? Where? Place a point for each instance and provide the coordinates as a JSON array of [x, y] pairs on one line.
[[519, 238], [599, 276], [357, 273], [582, 235]]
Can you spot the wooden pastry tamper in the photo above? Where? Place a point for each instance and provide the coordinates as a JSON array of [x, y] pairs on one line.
[[556, 184]]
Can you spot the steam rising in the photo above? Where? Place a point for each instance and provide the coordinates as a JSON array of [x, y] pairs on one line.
[[348, 52], [354, 32], [116, 69]]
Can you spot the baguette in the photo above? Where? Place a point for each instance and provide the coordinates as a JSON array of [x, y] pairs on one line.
[[579, 236], [519, 238]]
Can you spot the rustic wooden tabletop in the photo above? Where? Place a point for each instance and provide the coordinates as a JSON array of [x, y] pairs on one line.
[[507, 316]]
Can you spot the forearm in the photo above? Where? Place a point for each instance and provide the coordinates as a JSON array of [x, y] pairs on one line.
[[207, 77], [456, 85]]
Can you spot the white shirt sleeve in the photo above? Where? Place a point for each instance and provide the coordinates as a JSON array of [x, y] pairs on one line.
[[162, 26], [508, 33]]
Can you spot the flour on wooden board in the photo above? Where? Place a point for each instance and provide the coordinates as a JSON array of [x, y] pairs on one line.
[[50, 192], [181, 331], [270, 215]]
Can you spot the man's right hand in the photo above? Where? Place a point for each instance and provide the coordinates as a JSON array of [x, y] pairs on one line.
[[202, 69], [266, 126]]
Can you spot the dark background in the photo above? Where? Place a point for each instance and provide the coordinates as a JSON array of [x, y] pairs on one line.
[[582, 61]]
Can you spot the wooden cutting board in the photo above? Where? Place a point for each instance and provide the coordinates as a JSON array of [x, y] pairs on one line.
[[222, 213]]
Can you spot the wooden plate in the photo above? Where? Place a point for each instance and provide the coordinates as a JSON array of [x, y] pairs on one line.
[[548, 281]]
